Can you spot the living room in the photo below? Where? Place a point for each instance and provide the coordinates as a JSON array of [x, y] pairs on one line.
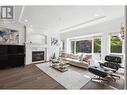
[[78, 37]]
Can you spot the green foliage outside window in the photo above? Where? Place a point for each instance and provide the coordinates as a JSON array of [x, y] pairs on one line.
[[116, 44], [97, 45]]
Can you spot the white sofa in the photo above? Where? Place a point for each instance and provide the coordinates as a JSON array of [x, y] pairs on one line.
[[75, 61]]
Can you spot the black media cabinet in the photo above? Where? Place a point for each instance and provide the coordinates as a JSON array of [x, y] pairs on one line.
[[12, 56]]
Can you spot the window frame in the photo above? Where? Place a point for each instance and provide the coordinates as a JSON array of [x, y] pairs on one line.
[[99, 37], [92, 39], [71, 46], [115, 34]]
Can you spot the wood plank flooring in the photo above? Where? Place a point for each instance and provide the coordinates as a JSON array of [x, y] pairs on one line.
[[31, 77], [28, 77]]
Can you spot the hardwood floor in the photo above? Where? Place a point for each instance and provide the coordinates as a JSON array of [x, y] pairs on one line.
[[31, 77]]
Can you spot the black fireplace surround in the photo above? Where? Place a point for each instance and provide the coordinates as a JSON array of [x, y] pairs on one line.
[[12, 56], [37, 56]]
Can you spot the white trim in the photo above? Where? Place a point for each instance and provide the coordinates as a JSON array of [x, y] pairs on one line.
[[21, 14], [74, 47], [77, 26], [92, 46], [85, 36]]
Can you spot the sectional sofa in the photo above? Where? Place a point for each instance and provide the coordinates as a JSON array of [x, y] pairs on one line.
[[79, 60]]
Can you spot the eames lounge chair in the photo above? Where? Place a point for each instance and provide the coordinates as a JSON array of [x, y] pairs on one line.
[[106, 69]]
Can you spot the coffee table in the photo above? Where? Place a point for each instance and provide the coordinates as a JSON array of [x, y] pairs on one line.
[[60, 66]]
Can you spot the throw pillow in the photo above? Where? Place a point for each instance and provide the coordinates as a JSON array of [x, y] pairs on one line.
[[87, 58]]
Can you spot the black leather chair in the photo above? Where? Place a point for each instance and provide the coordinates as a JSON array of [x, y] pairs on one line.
[[106, 69]]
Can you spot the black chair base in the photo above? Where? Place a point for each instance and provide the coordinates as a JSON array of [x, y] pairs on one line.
[[115, 77], [107, 69], [99, 79], [112, 78]]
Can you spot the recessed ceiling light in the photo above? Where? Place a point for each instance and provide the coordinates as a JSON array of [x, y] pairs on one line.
[[59, 18], [26, 20], [31, 26], [96, 15]]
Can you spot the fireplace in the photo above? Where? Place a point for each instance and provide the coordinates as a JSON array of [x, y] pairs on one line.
[[38, 56]]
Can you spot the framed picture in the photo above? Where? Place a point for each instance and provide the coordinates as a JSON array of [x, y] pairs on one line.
[[54, 41], [8, 36]]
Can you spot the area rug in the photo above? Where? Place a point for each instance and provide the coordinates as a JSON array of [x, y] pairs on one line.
[[69, 79]]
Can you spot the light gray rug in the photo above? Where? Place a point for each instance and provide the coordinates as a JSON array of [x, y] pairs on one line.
[[69, 79]]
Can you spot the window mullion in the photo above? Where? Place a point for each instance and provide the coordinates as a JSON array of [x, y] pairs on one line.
[[74, 47]]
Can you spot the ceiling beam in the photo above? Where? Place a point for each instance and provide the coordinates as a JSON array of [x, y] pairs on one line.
[[21, 14], [81, 24]]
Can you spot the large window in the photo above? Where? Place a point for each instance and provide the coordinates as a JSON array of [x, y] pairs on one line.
[[97, 45], [90, 45], [84, 46], [115, 44]]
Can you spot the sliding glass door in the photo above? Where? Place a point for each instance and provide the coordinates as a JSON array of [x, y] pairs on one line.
[[92, 45]]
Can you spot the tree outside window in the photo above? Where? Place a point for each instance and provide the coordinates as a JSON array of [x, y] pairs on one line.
[[97, 45], [115, 45]]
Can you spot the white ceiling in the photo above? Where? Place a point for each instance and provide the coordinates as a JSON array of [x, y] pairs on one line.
[[18, 10], [63, 18]]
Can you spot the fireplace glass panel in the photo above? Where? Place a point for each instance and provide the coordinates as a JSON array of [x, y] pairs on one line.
[[37, 56]]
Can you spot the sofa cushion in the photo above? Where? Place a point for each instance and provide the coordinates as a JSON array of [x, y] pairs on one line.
[[72, 56], [79, 63], [87, 58], [76, 60], [68, 59], [85, 62], [63, 55]]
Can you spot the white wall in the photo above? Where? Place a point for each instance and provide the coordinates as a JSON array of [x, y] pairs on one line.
[[50, 49], [105, 28]]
